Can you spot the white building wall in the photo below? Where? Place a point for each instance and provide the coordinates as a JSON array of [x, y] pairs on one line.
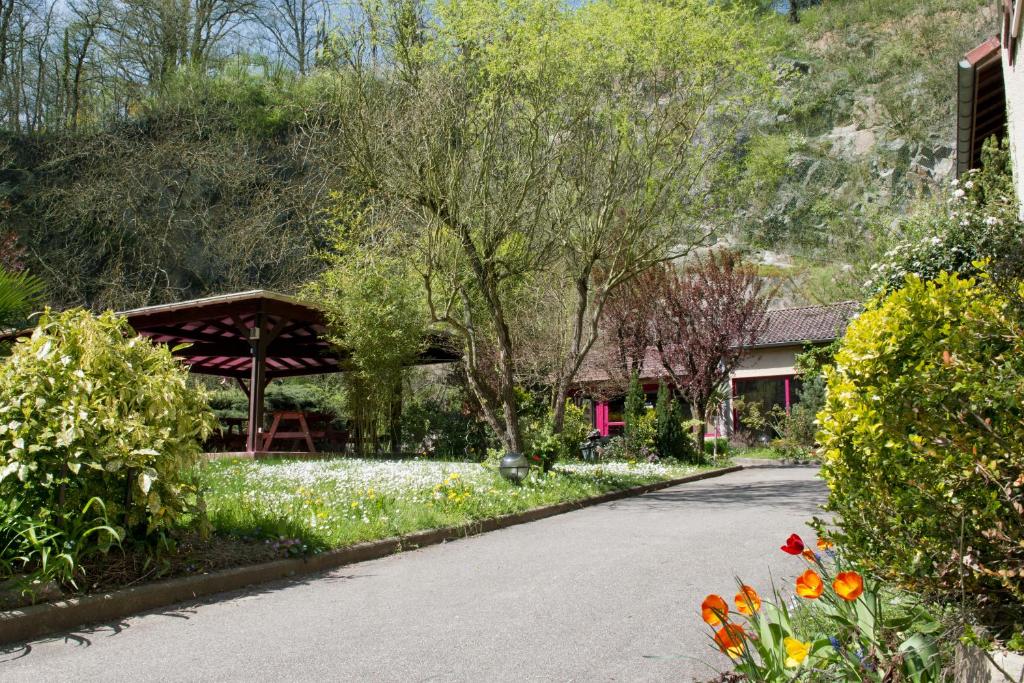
[[768, 362], [1013, 81]]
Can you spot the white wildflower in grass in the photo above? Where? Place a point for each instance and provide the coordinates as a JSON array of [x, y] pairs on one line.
[[991, 221], [958, 193], [336, 502]]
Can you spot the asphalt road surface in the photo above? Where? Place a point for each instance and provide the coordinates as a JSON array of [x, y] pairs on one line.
[[607, 593]]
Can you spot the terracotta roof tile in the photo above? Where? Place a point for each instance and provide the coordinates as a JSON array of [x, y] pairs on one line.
[[807, 323]]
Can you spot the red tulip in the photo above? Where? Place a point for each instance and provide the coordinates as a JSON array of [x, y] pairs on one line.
[[794, 545]]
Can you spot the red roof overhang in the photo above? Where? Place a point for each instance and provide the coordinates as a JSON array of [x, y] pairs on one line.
[[981, 102], [219, 332], [215, 335]]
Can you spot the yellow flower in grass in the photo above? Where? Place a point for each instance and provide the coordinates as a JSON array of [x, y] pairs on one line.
[[796, 651]]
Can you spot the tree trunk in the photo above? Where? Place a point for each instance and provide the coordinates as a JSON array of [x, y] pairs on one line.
[[579, 349], [698, 434], [395, 422]]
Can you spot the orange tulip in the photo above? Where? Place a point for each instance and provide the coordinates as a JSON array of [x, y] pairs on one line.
[[729, 639], [747, 600], [824, 544], [808, 554], [713, 609], [809, 585], [848, 585]]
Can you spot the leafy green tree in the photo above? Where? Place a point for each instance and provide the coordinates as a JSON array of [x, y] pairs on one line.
[[634, 411], [525, 139], [375, 314]]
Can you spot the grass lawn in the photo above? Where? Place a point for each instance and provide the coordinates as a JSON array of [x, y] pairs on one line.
[[320, 504], [756, 453]]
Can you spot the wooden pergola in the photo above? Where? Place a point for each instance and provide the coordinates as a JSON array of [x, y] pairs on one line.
[[253, 337]]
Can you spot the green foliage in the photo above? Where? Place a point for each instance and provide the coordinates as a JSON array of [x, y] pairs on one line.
[[439, 430], [671, 439], [811, 362], [89, 410], [719, 445], [921, 434], [634, 410], [42, 548], [19, 293], [545, 447], [375, 311]]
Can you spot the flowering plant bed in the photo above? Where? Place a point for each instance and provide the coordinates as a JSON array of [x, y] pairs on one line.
[[318, 505], [840, 625]]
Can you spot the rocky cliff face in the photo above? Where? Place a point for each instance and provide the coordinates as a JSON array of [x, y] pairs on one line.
[[866, 126]]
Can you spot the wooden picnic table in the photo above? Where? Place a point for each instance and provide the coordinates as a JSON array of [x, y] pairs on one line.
[[299, 430]]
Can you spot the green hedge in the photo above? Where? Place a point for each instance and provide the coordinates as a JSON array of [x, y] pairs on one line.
[[922, 432]]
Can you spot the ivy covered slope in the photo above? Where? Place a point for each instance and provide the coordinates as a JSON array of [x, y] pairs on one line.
[[864, 129]]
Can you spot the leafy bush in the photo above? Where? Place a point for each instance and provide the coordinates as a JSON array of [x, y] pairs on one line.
[[228, 403], [922, 432], [615, 448], [671, 439], [440, 431], [719, 444], [545, 447], [97, 423]]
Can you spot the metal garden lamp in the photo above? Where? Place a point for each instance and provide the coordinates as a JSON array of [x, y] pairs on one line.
[[588, 450], [514, 467]]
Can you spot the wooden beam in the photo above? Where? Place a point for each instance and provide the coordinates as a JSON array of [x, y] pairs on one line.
[[189, 335]]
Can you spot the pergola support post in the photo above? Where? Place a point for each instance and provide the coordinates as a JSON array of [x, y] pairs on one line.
[[257, 384]]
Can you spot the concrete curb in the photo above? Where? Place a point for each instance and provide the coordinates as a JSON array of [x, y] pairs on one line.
[[39, 620]]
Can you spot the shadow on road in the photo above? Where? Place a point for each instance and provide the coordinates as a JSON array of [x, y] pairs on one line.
[[83, 636], [793, 495]]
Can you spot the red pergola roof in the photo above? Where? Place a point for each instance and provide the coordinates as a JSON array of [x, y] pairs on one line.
[[218, 332]]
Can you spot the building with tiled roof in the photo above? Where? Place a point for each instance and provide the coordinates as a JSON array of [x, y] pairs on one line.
[[807, 324], [766, 374]]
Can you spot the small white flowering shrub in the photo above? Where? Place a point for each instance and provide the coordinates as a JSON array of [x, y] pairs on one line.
[[979, 222]]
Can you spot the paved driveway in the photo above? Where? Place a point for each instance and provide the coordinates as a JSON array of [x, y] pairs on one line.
[[609, 593]]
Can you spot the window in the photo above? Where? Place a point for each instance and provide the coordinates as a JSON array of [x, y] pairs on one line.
[[766, 393]]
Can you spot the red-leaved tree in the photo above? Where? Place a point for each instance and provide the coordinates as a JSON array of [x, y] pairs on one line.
[[704, 316], [627, 328]]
